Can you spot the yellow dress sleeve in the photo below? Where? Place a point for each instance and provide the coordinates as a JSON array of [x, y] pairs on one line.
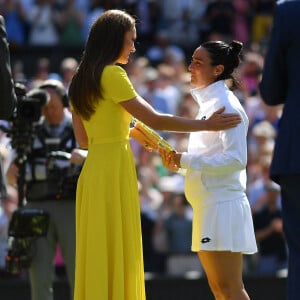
[[116, 84]]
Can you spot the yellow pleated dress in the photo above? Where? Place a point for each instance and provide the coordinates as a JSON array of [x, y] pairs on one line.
[[109, 261]]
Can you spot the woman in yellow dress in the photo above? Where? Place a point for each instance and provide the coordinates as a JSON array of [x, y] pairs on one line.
[[109, 262]]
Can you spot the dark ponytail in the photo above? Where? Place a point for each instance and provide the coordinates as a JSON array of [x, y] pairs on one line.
[[227, 55], [236, 49]]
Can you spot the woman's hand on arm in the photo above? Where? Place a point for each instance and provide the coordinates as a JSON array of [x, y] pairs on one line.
[[79, 131], [220, 121]]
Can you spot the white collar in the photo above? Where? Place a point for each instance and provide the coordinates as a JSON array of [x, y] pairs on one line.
[[202, 95]]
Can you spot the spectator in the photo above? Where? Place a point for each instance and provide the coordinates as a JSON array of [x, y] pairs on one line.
[[166, 87], [70, 22], [179, 226], [258, 174], [261, 140], [43, 21], [161, 49], [95, 9], [241, 26], [41, 72], [219, 17], [182, 22], [262, 20], [68, 67], [150, 92], [250, 72], [149, 13], [14, 15], [272, 256]]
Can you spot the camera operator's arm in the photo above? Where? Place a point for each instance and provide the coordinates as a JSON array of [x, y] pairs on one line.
[[79, 131], [78, 156], [12, 174], [8, 97]]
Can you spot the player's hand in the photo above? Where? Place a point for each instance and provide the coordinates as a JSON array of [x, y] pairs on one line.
[[169, 159]]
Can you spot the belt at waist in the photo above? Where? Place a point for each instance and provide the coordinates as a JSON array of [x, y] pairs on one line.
[[100, 140]]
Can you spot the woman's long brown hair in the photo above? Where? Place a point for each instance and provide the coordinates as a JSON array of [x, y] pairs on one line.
[[103, 47]]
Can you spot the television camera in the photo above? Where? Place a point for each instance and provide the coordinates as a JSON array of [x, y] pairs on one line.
[[26, 225]]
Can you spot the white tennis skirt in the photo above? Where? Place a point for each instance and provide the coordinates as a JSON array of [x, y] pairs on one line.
[[224, 226]]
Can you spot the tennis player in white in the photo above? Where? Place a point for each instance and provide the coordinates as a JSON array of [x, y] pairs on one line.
[[215, 179]]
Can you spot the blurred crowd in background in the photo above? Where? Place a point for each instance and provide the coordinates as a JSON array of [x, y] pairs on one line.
[[168, 33]]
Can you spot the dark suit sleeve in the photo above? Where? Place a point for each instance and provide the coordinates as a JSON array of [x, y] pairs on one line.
[[273, 86], [7, 93]]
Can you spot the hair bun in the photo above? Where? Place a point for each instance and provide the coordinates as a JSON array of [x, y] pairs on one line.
[[236, 47]]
